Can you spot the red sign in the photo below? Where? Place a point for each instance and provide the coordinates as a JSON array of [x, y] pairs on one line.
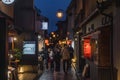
[[87, 48]]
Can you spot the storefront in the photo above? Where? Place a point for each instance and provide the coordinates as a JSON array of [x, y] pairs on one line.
[[96, 47]]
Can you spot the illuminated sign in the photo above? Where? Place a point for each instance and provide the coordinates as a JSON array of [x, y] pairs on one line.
[[29, 47], [44, 25], [87, 48], [7, 1]]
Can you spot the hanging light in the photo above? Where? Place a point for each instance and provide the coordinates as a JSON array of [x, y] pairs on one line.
[[59, 13]]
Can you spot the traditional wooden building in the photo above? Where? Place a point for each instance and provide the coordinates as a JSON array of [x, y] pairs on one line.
[[95, 28], [6, 20]]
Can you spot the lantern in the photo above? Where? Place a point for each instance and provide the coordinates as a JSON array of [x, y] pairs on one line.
[[87, 48]]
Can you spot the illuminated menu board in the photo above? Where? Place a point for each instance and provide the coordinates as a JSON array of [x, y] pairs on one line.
[[29, 47]]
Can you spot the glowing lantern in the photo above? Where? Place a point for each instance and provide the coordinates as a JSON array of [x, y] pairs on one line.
[[46, 41], [87, 48], [59, 13], [69, 42]]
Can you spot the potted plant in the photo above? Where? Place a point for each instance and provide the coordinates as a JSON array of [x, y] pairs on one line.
[[17, 54]]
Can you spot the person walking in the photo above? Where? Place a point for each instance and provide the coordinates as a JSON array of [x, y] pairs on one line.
[[51, 59], [71, 51], [57, 59], [65, 58], [46, 58], [41, 59]]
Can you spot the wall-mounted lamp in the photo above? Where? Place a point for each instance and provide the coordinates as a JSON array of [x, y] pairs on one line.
[[13, 42], [39, 36], [14, 38], [76, 39]]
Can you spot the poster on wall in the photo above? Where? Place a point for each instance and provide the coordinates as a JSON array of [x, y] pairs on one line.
[[28, 47]]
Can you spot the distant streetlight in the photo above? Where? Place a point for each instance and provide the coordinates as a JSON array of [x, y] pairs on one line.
[[54, 35], [59, 13]]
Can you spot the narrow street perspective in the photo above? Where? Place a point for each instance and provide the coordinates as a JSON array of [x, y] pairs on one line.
[[52, 75], [59, 39]]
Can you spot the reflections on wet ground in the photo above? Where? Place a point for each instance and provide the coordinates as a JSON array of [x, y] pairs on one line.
[[53, 75]]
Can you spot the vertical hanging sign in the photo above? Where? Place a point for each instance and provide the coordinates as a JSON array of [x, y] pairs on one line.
[[87, 48]]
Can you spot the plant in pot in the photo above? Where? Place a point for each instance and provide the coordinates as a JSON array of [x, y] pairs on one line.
[[17, 54]]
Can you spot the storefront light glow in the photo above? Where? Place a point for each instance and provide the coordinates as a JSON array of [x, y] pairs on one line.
[[39, 37], [14, 38]]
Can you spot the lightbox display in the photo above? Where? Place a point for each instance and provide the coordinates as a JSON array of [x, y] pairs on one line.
[[44, 25], [29, 47]]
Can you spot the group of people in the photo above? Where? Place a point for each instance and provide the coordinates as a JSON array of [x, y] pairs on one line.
[[67, 55], [52, 57]]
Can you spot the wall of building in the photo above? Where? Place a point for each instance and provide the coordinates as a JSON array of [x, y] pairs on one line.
[[79, 6], [6, 17], [24, 15], [3, 50], [116, 40], [7, 9], [89, 6]]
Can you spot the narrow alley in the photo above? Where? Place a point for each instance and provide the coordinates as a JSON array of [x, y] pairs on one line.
[[59, 39]]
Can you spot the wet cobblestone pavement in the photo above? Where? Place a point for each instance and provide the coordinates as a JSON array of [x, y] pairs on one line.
[[52, 75]]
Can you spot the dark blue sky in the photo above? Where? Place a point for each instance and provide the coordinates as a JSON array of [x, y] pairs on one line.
[[49, 8]]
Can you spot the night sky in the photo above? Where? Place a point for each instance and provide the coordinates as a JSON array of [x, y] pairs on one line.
[[49, 8]]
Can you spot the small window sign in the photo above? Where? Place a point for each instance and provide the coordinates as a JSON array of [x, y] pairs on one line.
[[7, 1]]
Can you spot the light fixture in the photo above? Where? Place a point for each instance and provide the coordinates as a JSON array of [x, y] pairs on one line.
[[75, 39], [14, 38], [39, 36], [7, 1], [59, 13], [54, 35]]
